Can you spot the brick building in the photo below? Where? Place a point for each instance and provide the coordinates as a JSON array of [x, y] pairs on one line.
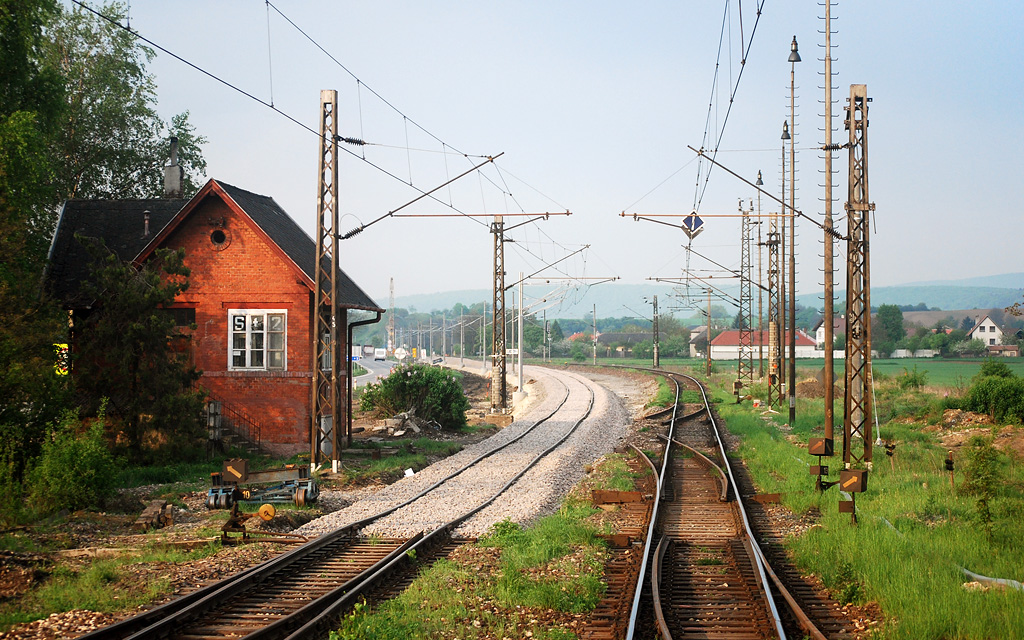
[[250, 296]]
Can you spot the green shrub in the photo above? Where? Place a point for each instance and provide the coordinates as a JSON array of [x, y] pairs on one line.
[[76, 469], [434, 393], [912, 379], [1000, 397], [982, 477], [995, 368]]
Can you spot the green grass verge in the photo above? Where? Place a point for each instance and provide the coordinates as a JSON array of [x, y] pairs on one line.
[[102, 585], [556, 564], [913, 532]]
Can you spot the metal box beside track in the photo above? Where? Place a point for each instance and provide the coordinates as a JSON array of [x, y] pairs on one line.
[[235, 483]]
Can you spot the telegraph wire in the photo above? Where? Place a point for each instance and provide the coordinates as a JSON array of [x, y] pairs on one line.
[[212, 76]]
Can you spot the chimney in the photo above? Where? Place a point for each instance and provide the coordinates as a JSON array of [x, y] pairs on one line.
[[173, 173], [145, 223]]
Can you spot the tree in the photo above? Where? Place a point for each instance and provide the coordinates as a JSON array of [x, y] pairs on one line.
[[31, 100], [556, 331], [966, 324], [111, 142], [125, 353], [887, 329]]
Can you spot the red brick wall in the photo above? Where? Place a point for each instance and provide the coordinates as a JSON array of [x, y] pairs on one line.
[[245, 272]]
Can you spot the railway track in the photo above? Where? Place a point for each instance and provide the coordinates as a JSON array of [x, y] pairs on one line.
[[704, 574], [300, 594]]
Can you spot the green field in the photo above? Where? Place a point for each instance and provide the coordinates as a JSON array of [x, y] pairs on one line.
[[942, 372]]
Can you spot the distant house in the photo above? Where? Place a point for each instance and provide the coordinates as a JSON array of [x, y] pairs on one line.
[[1003, 350], [250, 298], [726, 345], [987, 331], [838, 327]]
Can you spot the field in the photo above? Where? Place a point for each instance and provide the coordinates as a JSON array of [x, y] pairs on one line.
[[945, 373]]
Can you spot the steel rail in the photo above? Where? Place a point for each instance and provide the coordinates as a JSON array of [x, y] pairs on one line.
[[635, 608], [161, 621], [313, 627]]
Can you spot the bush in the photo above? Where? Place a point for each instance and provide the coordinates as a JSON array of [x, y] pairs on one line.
[[995, 368], [912, 379], [76, 469], [982, 477], [1001, 398], [434, 393]]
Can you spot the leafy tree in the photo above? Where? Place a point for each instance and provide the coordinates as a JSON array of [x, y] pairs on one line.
[[31, 100], [887, 329], [125, 353], [644, 349], [676, 346], [971, 348], [533, 337], [111, 142], [434, 393], [579, 350]]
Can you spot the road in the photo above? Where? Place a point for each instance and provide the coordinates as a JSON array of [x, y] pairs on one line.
[[377, 369]]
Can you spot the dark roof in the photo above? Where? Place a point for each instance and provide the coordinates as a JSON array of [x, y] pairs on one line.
[[296, 244], [118, 223], [625, 338]]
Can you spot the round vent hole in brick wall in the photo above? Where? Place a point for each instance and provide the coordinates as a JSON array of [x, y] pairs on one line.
[[218, 237]]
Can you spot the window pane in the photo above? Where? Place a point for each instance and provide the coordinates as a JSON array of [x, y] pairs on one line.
[[276, 322], [238, 323], [276, 360], [276, 340], [257, 323], [256, 358], [256, 341], [238, 341], [238, 358]]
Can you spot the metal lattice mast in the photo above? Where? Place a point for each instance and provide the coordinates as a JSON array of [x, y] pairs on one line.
[[857, 405], [745, 367], [328, 373], [499, 388], [774, 311]]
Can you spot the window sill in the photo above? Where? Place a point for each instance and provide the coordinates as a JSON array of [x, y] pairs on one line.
[[240, 373]]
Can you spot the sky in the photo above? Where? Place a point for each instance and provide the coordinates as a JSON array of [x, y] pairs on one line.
[[592, 105]]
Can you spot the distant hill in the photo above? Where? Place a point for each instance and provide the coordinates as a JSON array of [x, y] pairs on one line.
[[617, 300], [1001, 281], [936, 297]]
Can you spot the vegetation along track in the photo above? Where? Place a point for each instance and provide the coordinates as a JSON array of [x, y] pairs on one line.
[[300, 593], [703, 569]]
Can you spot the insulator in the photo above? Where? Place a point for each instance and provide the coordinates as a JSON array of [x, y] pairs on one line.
[[353, 232], [834, 147], [355, 141]]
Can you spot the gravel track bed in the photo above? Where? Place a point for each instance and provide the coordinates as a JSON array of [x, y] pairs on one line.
[[539, 491]]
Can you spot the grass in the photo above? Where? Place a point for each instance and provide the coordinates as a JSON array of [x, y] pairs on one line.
[[943, 373], [914, 531], [553, 566], [102, 585]]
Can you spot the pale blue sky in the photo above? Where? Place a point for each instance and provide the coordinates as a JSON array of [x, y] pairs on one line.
[[593, 104]]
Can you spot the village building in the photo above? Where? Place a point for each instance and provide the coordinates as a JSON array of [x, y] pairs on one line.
[[987, 331], [246, 320], [726, 345]]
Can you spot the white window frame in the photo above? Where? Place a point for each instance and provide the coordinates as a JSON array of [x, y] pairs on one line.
[[248, 332]]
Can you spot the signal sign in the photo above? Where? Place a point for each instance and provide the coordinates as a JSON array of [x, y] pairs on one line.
[[692, 225]]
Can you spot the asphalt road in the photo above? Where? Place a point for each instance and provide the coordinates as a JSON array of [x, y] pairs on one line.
[[377, 369]]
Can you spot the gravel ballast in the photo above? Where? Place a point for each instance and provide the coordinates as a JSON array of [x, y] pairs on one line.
[[537, 493]]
